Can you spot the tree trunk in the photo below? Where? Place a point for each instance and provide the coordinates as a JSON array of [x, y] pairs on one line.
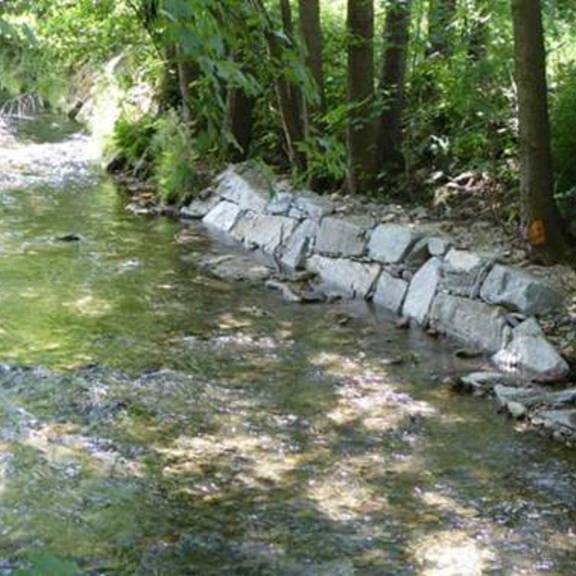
[[240, 117], [188, 73], [392, 85], [541, 219], [289, 96], [311, 29], [361, 132], [440, 20]]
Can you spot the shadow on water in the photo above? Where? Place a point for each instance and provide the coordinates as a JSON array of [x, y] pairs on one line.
[[219, 430]]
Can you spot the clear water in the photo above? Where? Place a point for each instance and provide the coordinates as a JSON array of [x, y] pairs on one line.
[[182, 425]]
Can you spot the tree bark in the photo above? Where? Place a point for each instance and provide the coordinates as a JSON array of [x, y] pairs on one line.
[[240, 117], [541, 219], [392, 85], [289, 96], [440, 20], [361, 127], [188, 73], [311, 30]]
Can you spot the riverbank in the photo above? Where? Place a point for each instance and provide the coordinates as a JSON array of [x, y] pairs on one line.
[[410, 265]]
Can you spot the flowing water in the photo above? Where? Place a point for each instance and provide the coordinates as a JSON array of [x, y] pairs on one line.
[[169, 423]]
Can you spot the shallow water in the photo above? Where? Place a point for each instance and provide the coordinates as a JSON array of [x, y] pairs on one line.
[[183, 425]]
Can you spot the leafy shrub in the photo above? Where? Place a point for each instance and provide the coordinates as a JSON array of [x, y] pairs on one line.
[[132, 139], [563, 115], [174, 159]]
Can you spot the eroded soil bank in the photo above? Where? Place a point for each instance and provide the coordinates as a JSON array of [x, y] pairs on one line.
[[185, 425]]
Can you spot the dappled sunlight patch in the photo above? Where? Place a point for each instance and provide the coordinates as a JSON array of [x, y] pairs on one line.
[[250, 459], [342, 495], [61, 445], [367, 394], [89, 306], [445, 504], [452, 553], [229, 321]]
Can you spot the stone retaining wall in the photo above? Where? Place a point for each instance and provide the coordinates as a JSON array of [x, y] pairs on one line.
[[461, 294]]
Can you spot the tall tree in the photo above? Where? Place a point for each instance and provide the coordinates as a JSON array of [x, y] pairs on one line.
[[392, 84], [440, 22], [289, 94], [361, 132], [240, 114], [541, 218], [311, 30]]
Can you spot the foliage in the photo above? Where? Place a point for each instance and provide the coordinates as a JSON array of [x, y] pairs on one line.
[[459, 111], [133, 139], [174, 159], [564, 132]]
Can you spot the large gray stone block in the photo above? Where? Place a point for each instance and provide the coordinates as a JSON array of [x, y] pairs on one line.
[[338, 237], [422, 290], [223, 217], [353, 278], [263, 231], [472, 322], [530, 351], [390, 292], [299, 245], [308, 204], [520, 291], [464, 272], [390, 243], [246, 187]]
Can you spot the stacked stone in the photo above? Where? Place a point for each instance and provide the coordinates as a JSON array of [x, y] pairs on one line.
[[464, 295]]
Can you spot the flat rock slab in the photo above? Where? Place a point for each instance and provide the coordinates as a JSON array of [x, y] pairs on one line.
[[556, 419], [422, 291], [390, 292], [483, 383], [529, 350], [263, 231], [391, 243], [519, 291], [470, 321], [354, 278], [245, 187], [237, 268], [308, 204], [223, 217], [337, 237]]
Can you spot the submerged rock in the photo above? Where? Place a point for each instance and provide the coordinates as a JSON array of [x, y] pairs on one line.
[[483, 383], [69, 238], [238, 268]]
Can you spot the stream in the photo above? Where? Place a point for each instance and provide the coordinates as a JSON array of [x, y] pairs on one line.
[[155, 420]]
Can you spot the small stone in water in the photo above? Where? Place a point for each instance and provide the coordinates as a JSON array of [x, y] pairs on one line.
[[69, 238]]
